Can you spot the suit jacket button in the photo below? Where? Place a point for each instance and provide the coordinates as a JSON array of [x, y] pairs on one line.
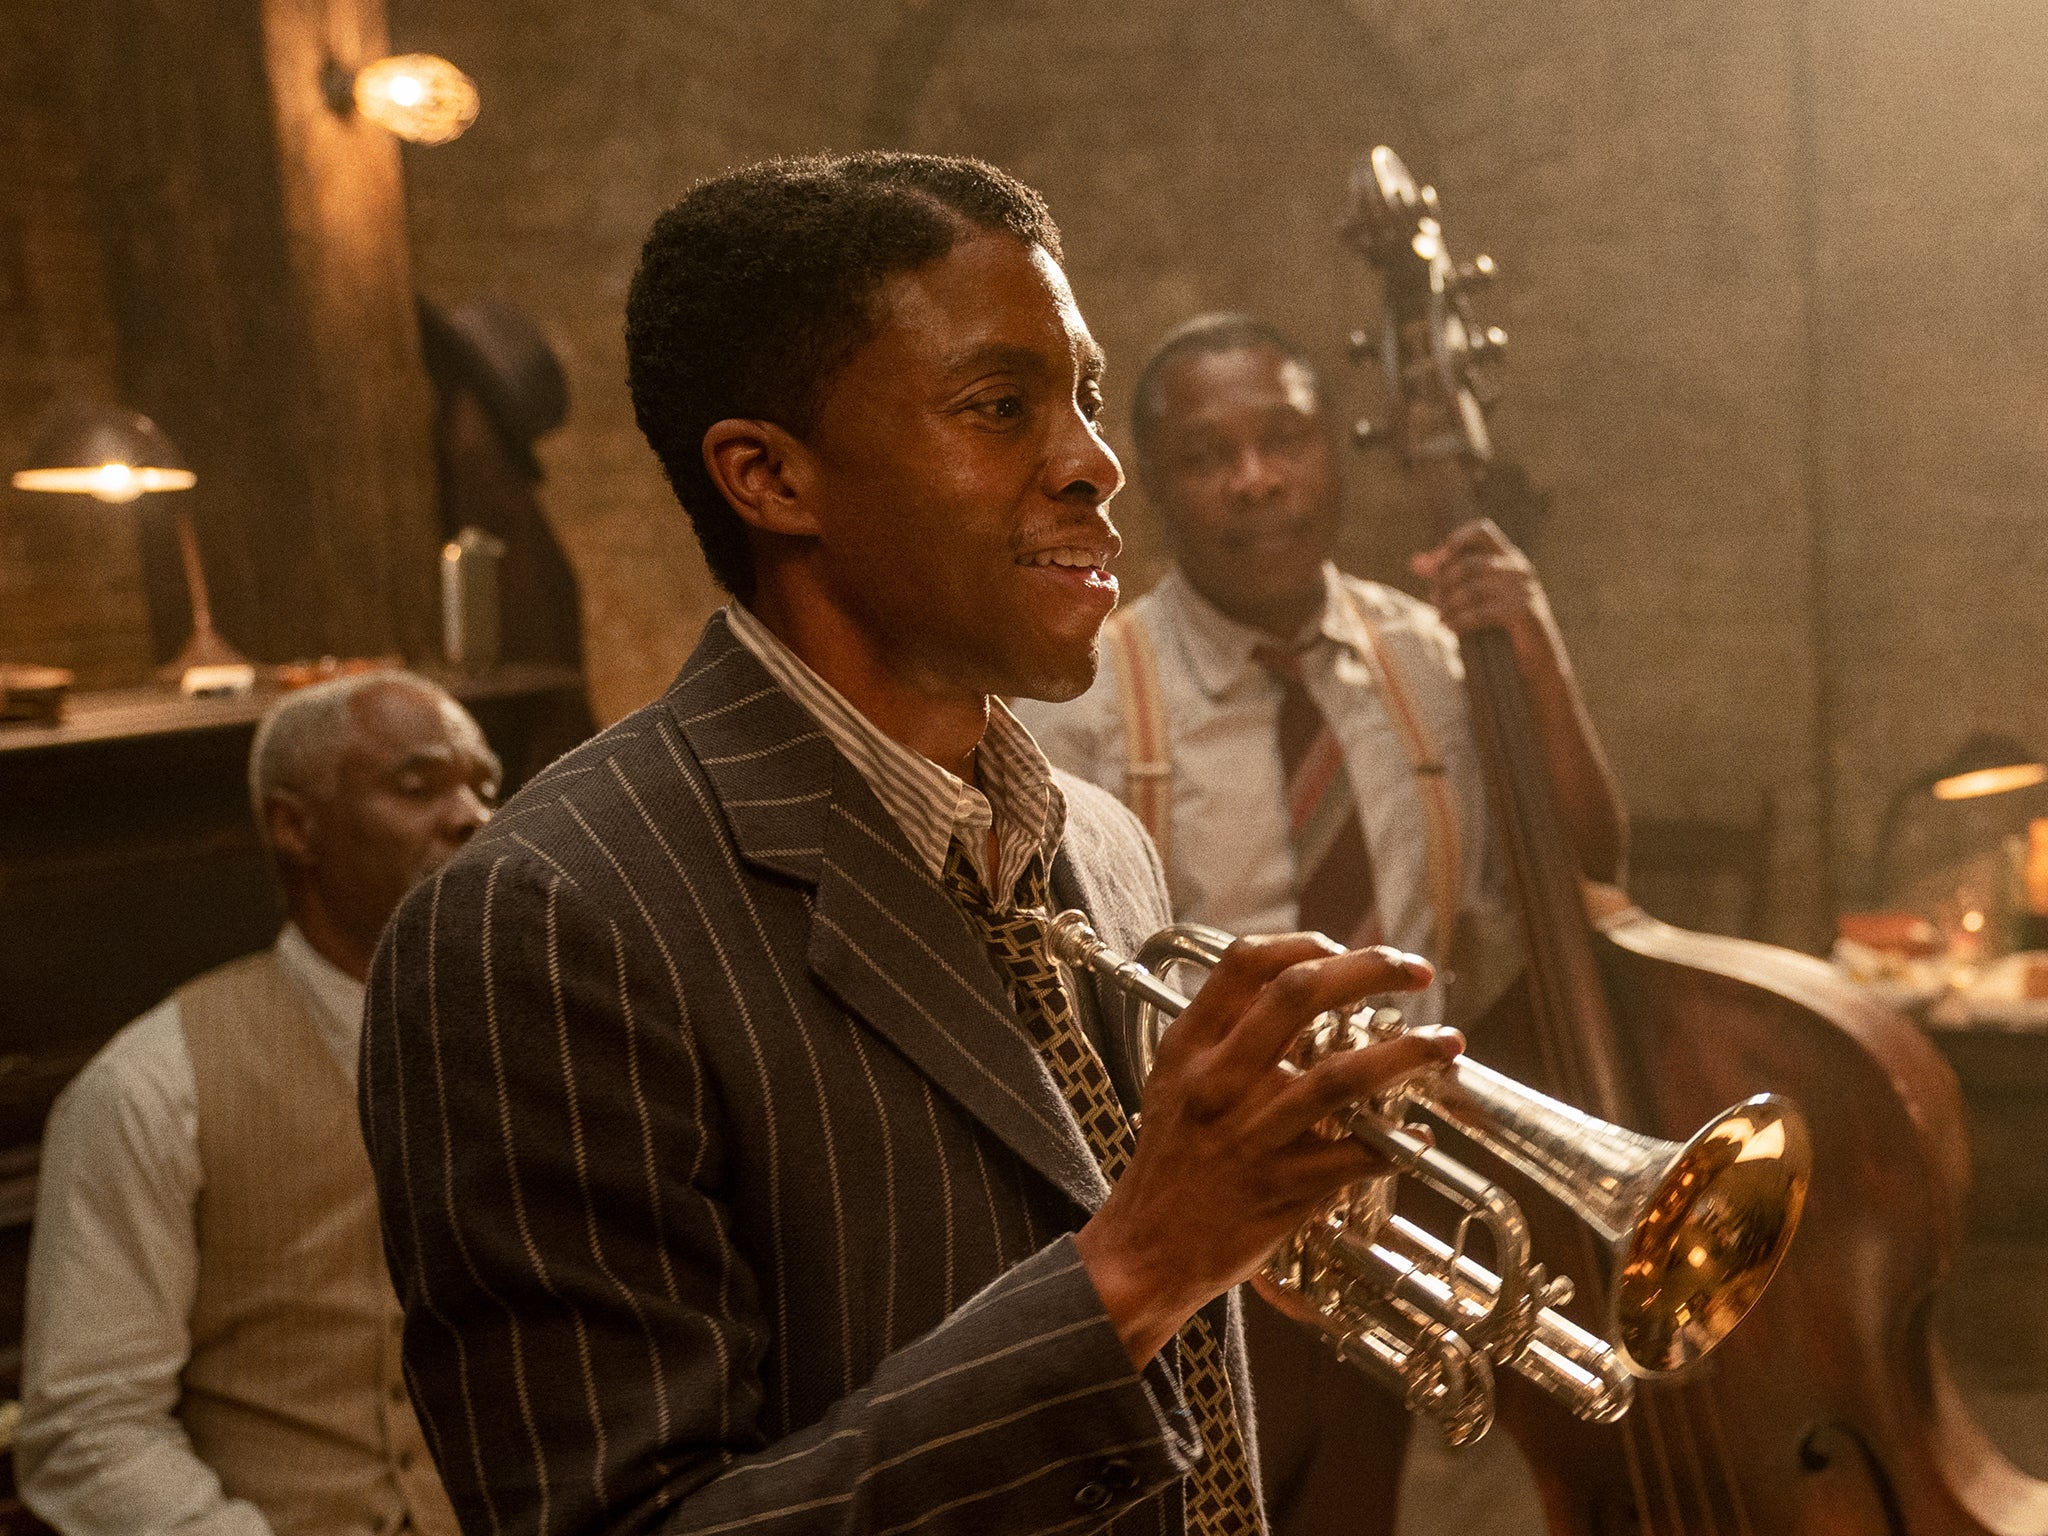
[[1093, 1497], [1118, 1476]]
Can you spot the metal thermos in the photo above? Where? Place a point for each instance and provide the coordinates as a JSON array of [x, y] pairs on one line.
[[469, 600]]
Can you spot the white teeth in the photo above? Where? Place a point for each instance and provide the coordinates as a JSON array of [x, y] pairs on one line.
[[1069, 556]]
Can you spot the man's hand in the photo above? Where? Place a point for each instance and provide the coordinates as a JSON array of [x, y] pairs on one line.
[[1479, 580], [1229, 1160]]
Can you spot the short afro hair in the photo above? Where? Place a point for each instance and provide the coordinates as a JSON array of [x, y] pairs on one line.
[[756, 289], [1220, 332]]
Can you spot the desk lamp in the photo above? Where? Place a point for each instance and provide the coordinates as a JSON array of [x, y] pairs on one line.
[[1986, 764], [118, 455]]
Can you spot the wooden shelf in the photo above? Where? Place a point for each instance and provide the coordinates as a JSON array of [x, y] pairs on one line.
[[133, 714]]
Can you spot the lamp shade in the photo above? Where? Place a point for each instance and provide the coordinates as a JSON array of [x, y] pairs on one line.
[[104, 451], [1987, 764]]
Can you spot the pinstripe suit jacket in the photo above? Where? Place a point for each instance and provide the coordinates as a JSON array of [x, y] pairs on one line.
[[722, 1188]]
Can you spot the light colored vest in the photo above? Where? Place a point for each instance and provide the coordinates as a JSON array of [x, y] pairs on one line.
[[293, 1393]]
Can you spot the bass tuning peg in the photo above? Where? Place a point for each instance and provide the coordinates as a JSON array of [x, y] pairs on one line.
[[1370, 434], [1477, 272], [1486, 344], [1362, 346]]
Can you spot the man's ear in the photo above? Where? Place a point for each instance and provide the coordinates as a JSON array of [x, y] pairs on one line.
[[765, 473], [289, 821]]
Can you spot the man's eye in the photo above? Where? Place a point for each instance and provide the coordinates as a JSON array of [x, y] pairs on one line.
[[1091, 405], [1003, 407]]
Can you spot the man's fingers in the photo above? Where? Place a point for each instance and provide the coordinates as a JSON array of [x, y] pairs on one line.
[[1351, 1077], [1482, 533], [1238, 979], [1290, 1001]]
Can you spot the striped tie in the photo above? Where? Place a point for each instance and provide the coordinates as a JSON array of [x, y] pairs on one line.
[[1332, 869], [1219, 1497]]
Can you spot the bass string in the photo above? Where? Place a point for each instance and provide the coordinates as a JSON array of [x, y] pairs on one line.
[[1538, 849]]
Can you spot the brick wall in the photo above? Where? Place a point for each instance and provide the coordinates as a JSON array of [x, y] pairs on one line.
[[1769, 275], [1769, 269], [591, 124]]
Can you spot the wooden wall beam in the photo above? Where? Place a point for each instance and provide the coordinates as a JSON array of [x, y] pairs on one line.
[[256, 252]]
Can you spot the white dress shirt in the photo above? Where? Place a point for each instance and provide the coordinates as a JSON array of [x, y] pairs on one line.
[[112, 1273], [1231, 861]]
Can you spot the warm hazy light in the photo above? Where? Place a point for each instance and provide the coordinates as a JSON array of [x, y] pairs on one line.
[[1991, 781], [108, 482], [417, 96]]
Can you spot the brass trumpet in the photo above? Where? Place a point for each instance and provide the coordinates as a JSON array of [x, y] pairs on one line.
[[1697, 1228]]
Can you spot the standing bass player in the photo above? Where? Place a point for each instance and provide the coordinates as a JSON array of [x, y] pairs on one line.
[[1296, 741]]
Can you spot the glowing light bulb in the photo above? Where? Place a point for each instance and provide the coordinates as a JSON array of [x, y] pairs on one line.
[[116, 482], [417, 96], [1973, 922]]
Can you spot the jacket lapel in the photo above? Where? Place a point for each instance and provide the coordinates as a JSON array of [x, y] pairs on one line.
[[886, 941]]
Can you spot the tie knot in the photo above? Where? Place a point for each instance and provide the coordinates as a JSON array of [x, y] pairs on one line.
[[1283, 661], [964, 884]]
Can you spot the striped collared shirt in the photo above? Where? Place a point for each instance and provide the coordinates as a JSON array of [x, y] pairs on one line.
[[1017, 795]]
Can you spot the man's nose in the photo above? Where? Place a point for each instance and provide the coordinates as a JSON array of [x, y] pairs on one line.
[[467, 811], [1254, 475], [1083, 466]]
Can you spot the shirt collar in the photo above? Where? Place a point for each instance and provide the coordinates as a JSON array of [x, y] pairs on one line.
[[932, 806], [337, 997], [1220, 650]]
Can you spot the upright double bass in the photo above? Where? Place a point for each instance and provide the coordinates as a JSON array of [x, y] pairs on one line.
[[1832, 1412]]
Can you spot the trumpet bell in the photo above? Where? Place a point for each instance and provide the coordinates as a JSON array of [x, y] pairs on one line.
[[1710, 1235]]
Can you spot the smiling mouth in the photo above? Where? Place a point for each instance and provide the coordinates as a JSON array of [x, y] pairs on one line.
[[1073, 557]]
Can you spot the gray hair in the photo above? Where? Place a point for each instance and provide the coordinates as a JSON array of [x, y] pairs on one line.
[[299, 741]]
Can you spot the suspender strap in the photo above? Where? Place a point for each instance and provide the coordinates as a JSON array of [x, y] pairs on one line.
[[1148, 766], [1445, 842]]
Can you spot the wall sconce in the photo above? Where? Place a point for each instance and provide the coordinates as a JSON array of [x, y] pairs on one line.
[[419, 97], [1986, 764], [118, 455]]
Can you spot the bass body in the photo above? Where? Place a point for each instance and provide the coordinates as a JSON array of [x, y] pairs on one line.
[[1831, 1412]]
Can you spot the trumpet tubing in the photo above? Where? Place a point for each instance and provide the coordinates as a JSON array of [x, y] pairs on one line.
[[1698, 1228]]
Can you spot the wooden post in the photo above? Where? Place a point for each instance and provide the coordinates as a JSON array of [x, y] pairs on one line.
[[262, 294]]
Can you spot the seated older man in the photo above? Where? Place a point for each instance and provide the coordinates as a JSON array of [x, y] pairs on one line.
[[212, 1340]]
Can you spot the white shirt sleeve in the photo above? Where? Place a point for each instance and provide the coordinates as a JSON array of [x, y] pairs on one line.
[[112, 1273]]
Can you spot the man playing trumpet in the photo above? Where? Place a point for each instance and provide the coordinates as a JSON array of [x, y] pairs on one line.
[[746, 1161]]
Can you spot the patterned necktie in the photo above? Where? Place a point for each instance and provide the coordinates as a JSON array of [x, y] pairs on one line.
[[1333, 883], [1219, 1496]]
